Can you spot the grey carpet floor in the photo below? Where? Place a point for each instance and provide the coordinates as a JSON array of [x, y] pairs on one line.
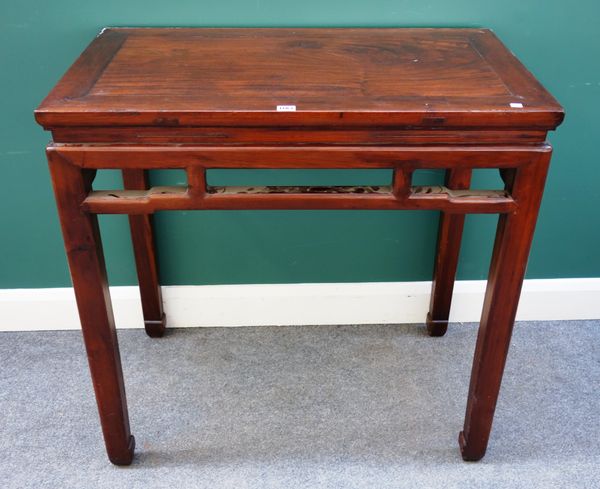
[[303, 407]]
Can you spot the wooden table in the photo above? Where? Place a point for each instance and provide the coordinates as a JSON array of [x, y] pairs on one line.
[[195, 99]]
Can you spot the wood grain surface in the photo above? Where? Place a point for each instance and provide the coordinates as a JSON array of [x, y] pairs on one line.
[[199, 77]]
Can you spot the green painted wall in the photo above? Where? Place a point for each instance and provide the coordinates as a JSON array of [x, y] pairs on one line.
[[559, 41]]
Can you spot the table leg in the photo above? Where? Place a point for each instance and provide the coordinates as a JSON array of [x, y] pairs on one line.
[[509, 259], [86, 263], [142, 237], [446, 260]]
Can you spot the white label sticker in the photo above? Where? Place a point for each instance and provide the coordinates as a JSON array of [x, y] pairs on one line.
[[286, 108], [516, 105]]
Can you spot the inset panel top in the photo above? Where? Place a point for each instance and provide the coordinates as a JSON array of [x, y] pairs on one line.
[[460, 78]]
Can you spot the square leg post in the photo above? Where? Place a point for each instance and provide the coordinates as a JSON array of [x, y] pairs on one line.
[[507, 270], [88, 273], [446, 259], [142, 237]]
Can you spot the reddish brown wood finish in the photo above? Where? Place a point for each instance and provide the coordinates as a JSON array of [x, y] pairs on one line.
[[507, 269], [296, 136], [88, 272], [237, 77], [231, 198], [446, 260], [195, 99], [142, 238], [405, 157]]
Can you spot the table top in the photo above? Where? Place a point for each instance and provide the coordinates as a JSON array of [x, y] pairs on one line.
[[446, 78]]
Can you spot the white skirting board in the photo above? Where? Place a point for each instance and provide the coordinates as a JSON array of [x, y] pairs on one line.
[[299, 304]]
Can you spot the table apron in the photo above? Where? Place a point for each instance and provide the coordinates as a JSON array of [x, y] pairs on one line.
[[198, 195]]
